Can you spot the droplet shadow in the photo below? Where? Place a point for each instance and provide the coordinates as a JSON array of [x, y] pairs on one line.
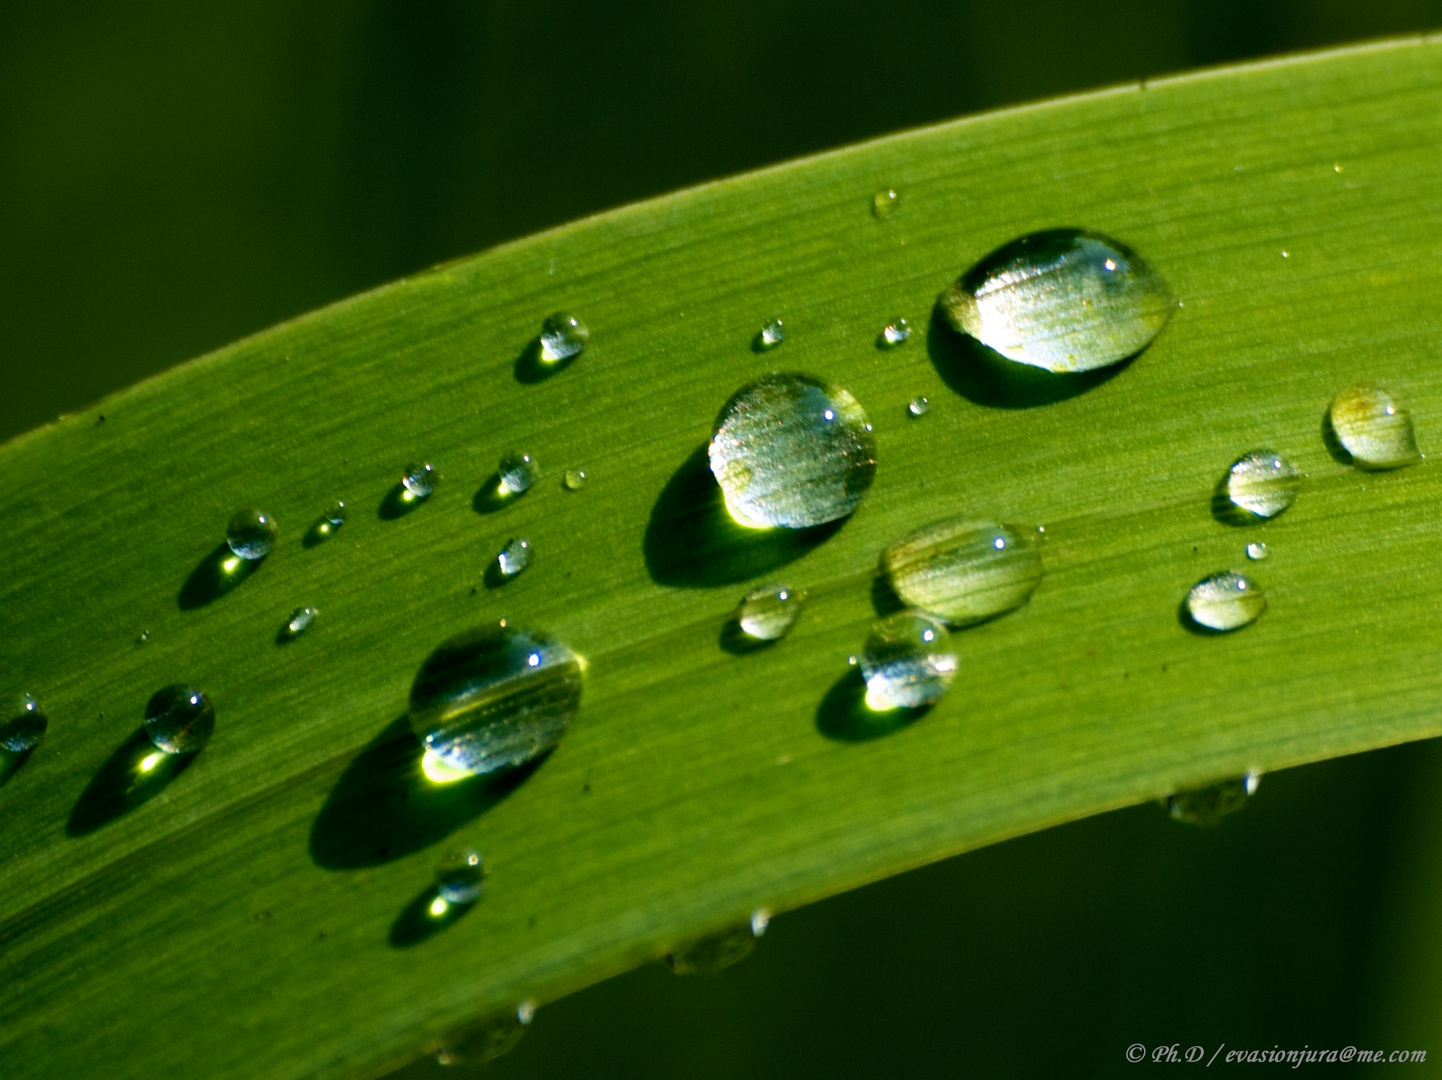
[[1334, 446], [883, 597], [399, 502], [215, 575], [530, 368], [692, 541], [985, 377], [418, 922], [384, 806], [843, 714], [125, 782], [493, 496], [318, 533], [738, 642], [11, 762]]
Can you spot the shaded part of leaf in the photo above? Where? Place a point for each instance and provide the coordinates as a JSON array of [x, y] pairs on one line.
[[122, 784], [1340, 453], [884, 598], [843, 714], [398, 502], [530, 369], [492, 496], [214, 576]]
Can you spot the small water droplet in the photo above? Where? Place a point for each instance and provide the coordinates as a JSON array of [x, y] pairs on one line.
[[1206, 806], [461, 877], [576, 479], [760, 920], [1063, 300], [251, 534], [964, 571], [563, 336], [519, 472], [299, 621], [526, 1011], [895, 333], [768, 613], [918, 406], [179, 719], [1263, 483], [144, 637], [715, 952], [495, 697], [789, 450], [1257, 551], [1226, 601], [514, 557], [1374, 427], [25, 726], [771, 335], [884, 202], [908, 662], [484, 1041], [420, 480]]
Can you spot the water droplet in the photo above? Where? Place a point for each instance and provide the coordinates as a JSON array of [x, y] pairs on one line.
[[1374, 427], [526, 1011], [563, 336], [760, 920], [768, 613], [300, 620], [420, 480], [1263, 483], [895, 333], [144, 637], [251, 534], [918, 406], [519, 472], [495, 697], [1226, 601], [964, 571], [179, 719], [482, 1042], [715, 952], [789, 450], [1206, 806], [1257, 551], [25, 726], [1062, 300], [461, 877], [884, 202], [908, 662], [576, 479], [771, 335], [514, 557]]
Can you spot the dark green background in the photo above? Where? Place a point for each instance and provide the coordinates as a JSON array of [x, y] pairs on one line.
[[174, 176]]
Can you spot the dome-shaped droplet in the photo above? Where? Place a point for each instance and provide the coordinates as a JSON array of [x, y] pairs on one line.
[[420, 480], [964, 571], [299, 621], [884, 202], [514, 557], [1263, 483], [1207, 806], [575, 479], [908, 662], [563, 336], [1226, 601], [485, 1040], [461, 877], [1374, 427], [772, 334], [715, 952], [1257, 551], [895, 333], [251, 534], [789, 450], [335, 514], [1063, 300], [179, 719], [494, 697], [519, 472], [918, 406], [768, 613], [24, 727]]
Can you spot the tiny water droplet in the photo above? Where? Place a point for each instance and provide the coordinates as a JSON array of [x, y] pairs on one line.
[[768, 613], [563, 336], [1206, 806], [715, 952], [895, 333], [964, 571], [144, 637], [908, 662], [495, 697], [760, 920], [335, 514], [1286, 254], [1257, 551], [519, 472], [1263, 483], [1226, 601], [179, 719], [1063, 300], [789, 450], [251, 534], [884, 202], [575, 479], [918, 406], [1374, 427], [484, 1041], [771, 335], [526, 1011], [25, 726], [461, 877], [514, 557], [300, 620], [420, 480]]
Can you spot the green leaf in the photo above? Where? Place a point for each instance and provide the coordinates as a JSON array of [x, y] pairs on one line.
[[255, 914]]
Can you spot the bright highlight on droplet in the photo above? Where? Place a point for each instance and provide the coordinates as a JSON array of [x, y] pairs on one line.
[[438, 771], [150, 760], [419, 481], [519, 472], [23, 729], [179, 719], [772, 334], [563, 337], [1262, 482], [908, 662], [251, 534], [439, 906], [1226, 601], [769, 612], [1206, 806]]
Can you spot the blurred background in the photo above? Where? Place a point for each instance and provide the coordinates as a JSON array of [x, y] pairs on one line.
[[175, 175]]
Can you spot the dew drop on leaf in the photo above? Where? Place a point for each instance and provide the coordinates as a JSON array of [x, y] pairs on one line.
[[908, 662]]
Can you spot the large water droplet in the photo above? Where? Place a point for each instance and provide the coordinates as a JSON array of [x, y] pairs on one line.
[[495, 697], [715, 952], [964, 571], [1062, 300], [251, 534], [768, 613], [461, 877], [771, 335], [1262, 482], [514, 557], [1226, 601], [179, 719], [563, 336], [420, 480], [1374, 427], [908, 662], [884, 202], [23, 729], [789, 450], [575, 479], [299, 621], [1207, 806], [895, 333], [519, 472], [486, 1040]]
